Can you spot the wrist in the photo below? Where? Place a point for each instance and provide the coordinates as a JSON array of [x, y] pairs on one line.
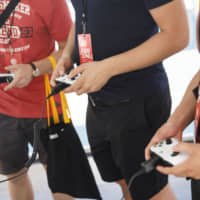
[[66, 57], [108, 67], [35, 70], [175, 123]]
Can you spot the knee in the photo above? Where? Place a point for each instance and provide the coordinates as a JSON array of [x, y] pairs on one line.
[[165, 194], [122, 183], [60, 196], [17, 177]]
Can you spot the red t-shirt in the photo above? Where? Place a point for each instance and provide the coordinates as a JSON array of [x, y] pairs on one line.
[[37, 25]]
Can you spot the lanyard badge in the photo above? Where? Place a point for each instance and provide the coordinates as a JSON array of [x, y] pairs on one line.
[[197, 117], [85, 48], [85, 40]]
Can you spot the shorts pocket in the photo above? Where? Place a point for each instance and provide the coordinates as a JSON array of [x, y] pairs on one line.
[[157, 109]]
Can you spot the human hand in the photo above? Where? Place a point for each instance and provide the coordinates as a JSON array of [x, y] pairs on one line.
[[93, 76], [190, 167], [23, 75], [167, 130], [63, 64]]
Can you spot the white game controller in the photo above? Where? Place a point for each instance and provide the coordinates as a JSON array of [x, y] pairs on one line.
[[6, 78], [65, 80], [61, 83], [164, 150]]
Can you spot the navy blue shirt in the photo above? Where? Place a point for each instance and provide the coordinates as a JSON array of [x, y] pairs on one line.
[[117, 26]]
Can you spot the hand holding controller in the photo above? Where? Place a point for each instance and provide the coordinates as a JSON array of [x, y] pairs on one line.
[[164, 150], [65, 80], [6, 78], [61, 83]]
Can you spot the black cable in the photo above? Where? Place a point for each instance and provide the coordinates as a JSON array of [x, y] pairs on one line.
[[58, 88], [14, 177], [36, 131], [35, 147], [138, 173], [146, 167]]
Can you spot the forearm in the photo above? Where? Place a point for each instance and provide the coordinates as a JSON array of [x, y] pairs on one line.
[[185, 112], [173, 36], [68, 51], [44, 65], [150, 52], [65, 49]]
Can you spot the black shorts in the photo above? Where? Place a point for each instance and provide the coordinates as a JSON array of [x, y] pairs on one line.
[[118, 134], [195, 186], [15, 134]]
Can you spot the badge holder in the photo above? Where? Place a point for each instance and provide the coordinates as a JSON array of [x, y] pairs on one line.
[[85, 40]]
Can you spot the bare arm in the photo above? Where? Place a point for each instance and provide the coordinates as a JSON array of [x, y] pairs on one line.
[[69, 47], [181, 117], [65, 62], [23, 72], [174, 35], [184, 113], [45, 65]]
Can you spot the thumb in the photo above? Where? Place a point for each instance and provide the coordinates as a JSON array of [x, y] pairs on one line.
[[12, 84], [75, 72], [187, 147], [9, 86], [60, 69]]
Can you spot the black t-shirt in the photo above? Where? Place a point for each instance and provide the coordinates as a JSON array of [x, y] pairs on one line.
[[117, 26]]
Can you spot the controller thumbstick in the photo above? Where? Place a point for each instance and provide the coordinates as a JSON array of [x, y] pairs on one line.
[[168, 141]]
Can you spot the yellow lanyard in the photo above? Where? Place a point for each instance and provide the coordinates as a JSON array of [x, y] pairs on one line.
[[51, 101]]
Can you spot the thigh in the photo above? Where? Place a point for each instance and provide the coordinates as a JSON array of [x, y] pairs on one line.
[[100, 145], [27, 126], [132, 127], [13, 145]]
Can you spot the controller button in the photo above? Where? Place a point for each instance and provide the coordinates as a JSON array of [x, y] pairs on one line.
[[174, 154], [168, 141]]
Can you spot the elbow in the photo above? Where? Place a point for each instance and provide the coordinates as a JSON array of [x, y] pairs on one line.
[[181, 41], [180, 34]]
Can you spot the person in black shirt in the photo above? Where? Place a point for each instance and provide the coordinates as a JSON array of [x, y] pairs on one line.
[[126, 83]]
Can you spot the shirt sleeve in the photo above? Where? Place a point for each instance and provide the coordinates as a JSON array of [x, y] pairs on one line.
[[150, 4], [58, 19]]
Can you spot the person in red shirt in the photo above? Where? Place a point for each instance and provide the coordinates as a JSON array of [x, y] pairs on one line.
[[26, 40]]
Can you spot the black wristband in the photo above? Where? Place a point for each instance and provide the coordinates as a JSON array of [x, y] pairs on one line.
[[36, 71], [33, 66]]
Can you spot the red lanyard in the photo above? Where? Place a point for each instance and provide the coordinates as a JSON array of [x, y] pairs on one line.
[[84, 16], [197, 117], [85, 39]]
